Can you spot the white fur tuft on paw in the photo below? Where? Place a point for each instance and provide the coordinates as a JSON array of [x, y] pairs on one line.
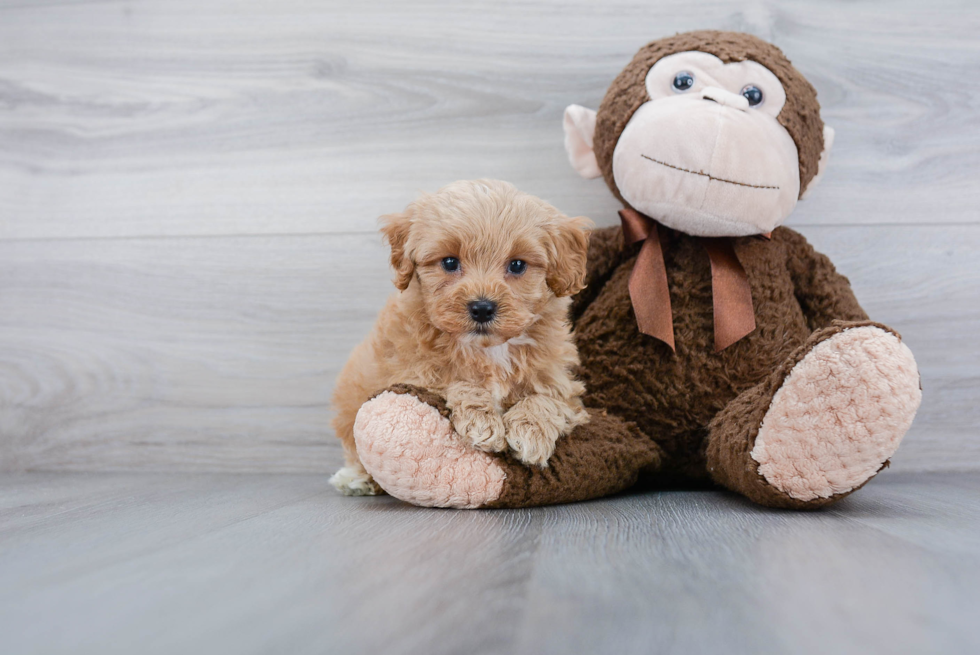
[[351, 482]]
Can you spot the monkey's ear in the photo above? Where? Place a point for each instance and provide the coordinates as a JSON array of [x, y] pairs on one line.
[[396, 229], [570, 248], [828, 143], [579, 125]]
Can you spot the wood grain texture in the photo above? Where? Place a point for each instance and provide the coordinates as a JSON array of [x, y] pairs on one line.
[[178, 563], [182, 117], [191, 353], [220, 353], [188, 195]]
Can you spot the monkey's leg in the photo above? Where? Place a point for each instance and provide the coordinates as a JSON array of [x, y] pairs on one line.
[[821, 425], [407, 443]]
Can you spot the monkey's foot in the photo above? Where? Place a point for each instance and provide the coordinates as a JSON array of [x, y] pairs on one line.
[[410, 448], [839, 415]]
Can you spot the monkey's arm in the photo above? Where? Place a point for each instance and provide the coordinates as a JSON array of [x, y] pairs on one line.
[[605, 254], [824, 294]]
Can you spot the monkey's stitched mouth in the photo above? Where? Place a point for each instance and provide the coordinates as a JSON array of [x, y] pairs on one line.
[[709, 176]]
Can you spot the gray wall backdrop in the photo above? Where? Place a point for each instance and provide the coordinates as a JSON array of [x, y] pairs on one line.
[[189, 190]]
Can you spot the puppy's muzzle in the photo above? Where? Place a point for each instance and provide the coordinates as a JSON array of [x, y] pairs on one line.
[[482, 311]]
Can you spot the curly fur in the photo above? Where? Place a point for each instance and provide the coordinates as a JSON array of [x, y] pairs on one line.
[[408, 445], [672, 397], [692, 416], [509, 385], [800, 379]]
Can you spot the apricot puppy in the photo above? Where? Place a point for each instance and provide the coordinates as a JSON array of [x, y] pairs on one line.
[[484, 272]]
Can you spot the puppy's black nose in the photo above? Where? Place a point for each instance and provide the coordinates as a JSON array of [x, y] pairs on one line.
[[482, 310]]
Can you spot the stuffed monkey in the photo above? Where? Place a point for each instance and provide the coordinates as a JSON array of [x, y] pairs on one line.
[[716, 346]]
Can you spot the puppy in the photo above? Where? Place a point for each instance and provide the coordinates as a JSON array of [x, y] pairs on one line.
[[484, 273]]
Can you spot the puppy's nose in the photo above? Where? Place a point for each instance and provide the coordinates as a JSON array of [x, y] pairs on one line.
[[482, 310]]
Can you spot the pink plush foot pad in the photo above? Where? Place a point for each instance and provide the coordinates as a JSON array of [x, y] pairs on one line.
[[412, 451], [839, 415]]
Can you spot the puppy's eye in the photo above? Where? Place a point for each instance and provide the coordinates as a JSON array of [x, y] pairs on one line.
[[450, 264], [753, 94], [683, 81], [517, 267]]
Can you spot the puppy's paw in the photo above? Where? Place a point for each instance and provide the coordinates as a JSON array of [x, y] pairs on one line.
[[352, 481], [484, 430], [531, 441]]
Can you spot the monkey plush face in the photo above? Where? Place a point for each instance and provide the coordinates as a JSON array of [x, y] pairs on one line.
[[710, 133]]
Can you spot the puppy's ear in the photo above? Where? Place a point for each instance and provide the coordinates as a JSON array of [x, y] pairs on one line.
[[570, 248], [396, 229]]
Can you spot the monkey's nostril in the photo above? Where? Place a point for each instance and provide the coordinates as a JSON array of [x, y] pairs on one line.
[[725, 98], [482, 310]]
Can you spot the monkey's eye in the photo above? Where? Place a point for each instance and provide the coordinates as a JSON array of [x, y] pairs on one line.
[[683, 81], [450, 264], [517, 267], [753, 94]]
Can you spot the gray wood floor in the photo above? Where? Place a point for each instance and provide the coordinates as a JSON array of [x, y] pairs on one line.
[[188, 196], [222, 563]]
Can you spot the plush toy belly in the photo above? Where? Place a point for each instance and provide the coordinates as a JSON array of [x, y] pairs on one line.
[[672, 395]]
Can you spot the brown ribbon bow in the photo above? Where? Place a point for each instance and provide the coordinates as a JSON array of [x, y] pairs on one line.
[[734, 316]]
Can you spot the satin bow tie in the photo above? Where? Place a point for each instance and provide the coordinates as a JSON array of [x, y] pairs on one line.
[[734, 316]]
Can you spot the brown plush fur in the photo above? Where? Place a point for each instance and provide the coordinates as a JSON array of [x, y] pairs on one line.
[[672, 397], [508, 383], [693, 414], [732, 433], [800, 115], [602, 457], [689, 417]]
